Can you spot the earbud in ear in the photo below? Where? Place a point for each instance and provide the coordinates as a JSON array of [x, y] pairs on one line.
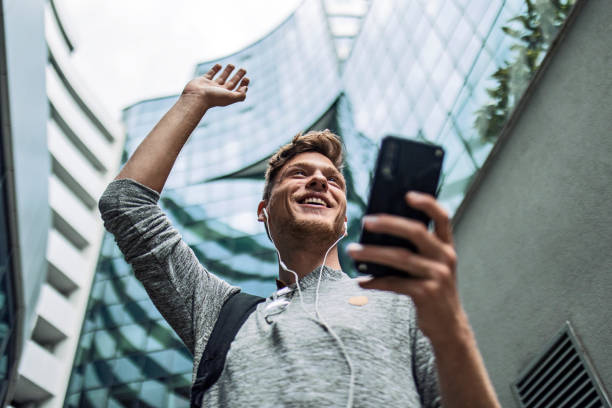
[[265, 212], [345, 228]]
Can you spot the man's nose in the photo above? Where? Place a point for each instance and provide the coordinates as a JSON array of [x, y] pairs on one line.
[[318, 181]]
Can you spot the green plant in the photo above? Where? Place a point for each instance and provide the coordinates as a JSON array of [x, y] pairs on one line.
[[533, 31]]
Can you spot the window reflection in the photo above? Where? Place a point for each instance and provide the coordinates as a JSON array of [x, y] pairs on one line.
[[127, 369], [104, 345]]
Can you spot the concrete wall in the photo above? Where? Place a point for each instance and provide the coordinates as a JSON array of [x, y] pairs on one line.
[[535, 237]]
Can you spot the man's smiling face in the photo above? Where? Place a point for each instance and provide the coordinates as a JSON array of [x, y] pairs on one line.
[[308, 199]]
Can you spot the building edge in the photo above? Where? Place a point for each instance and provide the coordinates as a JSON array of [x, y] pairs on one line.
[[16, 345]]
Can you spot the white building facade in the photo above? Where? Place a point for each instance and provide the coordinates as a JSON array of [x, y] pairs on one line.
[[84, 147]]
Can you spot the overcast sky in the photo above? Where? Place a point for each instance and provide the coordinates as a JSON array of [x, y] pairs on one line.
[[129, 50]]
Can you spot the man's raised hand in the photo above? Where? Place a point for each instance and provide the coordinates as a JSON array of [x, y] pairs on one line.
[[153, 159], [219, 91]]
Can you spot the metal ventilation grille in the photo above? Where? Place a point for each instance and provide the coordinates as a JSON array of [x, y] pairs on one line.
[[560, 377]]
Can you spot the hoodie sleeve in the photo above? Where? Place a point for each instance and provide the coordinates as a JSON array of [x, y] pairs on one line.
[[186, 294], [424, 366]]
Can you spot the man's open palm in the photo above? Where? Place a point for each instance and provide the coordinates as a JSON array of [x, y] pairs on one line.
[[219, 91]]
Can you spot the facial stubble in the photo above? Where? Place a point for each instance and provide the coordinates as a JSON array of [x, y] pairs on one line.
[[309, 231]]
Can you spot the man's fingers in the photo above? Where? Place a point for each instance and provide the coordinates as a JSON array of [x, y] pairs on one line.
[[231, 84], [225, 74], [242, 90], [399, 258], [244, 85], [435, 211], [239, 96], [212, 72], [415, 288], [411, 230]]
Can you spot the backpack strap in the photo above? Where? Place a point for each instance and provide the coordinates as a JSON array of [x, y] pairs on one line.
[[234, 313]]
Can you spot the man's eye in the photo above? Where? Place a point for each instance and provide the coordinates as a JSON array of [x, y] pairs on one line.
[[299, 173], [334, 179]]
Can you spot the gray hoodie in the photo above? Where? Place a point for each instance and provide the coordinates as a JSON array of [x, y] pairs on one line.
[[281, 356]]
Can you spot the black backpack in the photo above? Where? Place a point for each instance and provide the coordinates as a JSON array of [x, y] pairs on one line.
[[233, 314]]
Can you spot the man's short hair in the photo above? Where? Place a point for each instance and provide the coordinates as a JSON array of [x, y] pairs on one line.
[[319, 141]]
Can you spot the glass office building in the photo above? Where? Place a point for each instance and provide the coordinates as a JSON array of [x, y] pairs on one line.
[[24, 181], [8, 323], [449, 72]]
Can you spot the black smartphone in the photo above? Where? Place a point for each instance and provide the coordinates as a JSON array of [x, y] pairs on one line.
[[403, 165]]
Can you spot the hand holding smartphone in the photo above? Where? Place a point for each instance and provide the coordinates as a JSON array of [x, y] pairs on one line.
[[403, 165]]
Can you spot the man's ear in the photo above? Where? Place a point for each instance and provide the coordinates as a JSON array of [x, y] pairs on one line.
[[260, 214]]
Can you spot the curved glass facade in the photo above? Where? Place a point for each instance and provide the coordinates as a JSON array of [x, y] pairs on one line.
[[435, 85], [453, 79]]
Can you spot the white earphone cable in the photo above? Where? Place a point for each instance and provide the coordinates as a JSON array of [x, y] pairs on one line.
[[281, 263], [351, 392], [318, 318]]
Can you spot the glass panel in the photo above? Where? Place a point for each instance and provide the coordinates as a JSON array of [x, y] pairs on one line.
[[98, 374], [95, 398], [131, 338], [125, 395], [158, 363], [449, 17], [73, 401], [161, 336], [104, 345], [154, 393], [128, 369]]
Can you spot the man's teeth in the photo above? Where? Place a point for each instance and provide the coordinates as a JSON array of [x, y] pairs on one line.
[[314, 200]]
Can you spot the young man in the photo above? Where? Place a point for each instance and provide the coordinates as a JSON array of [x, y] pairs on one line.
[[332, 340]]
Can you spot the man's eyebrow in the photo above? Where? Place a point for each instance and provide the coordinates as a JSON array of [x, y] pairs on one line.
[[307, 165], [310, 166]]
